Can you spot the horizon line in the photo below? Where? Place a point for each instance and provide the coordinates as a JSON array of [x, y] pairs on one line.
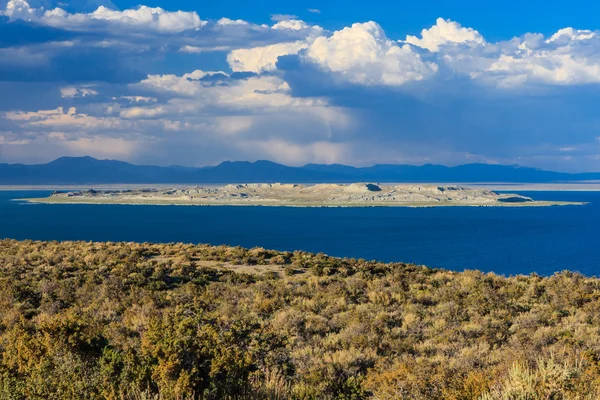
[[296, 166]]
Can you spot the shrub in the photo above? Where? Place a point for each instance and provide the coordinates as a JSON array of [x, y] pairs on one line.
[[150, 321]]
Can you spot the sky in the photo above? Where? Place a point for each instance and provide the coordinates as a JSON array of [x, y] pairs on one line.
[[351, 82]]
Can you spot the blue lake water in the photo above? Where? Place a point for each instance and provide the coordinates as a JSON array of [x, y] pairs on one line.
[[504, 240]]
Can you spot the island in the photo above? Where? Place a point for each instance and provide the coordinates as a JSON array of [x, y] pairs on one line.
[[319, 195]]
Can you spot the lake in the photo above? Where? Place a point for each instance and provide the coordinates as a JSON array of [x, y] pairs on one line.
[[511, 240]]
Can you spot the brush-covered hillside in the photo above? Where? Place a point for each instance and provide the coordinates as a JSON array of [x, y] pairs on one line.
[[143, 321]]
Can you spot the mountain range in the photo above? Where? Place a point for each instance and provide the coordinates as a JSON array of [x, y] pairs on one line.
[[88, 170]]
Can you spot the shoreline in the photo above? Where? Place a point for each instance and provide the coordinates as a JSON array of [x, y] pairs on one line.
[[300, 205]]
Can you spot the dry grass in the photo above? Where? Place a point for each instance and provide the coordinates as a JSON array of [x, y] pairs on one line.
[[145, 321]]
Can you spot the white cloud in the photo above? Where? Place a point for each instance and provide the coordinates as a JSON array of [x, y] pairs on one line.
[[199, 50], [186, 84], [363, 54], [258, 92], [261, 59], [220, 115], [570, 34], [446, 32], [139, 99], [264, 58], [143, 17], [191, 49], [291, 24], [56, 13], [143, 112], [542, 67], [314, 10], [19, 9], [257, 110], [268, 92], [61, 119], [227, 21], [569, 57], [253, 92], [283, 17], [143, 32], [73, 92]]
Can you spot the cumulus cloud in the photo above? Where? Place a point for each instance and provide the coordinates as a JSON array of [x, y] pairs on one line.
[[187, 84], [155, 18], [549, 67], [363, 54], [261, 59], [254, 92], [143, 112], [227, 21], [567, 35], [569, 57], [291, 91], [291, 24], [143, 17], [112, 45], [446, 32], [264, 58], [19, 9]]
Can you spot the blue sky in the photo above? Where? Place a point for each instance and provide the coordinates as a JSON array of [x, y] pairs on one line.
[[360, 83], [495, 20]]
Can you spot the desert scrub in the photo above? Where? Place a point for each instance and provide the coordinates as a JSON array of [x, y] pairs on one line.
[[180, 321]]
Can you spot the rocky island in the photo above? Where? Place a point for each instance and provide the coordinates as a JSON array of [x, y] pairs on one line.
[[320, 195]]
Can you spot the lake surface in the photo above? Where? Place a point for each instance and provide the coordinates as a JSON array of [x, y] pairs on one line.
[[504, 240]]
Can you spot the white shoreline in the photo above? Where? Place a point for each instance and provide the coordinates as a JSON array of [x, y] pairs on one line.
[[379, 205]]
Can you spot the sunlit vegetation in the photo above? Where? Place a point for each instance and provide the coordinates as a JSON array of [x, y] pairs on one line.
[[143, 321]]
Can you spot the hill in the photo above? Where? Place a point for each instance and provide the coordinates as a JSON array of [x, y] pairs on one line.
[[84, 320], [87, 170]]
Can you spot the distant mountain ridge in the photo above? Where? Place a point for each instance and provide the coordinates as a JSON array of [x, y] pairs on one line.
[[88, 170]]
